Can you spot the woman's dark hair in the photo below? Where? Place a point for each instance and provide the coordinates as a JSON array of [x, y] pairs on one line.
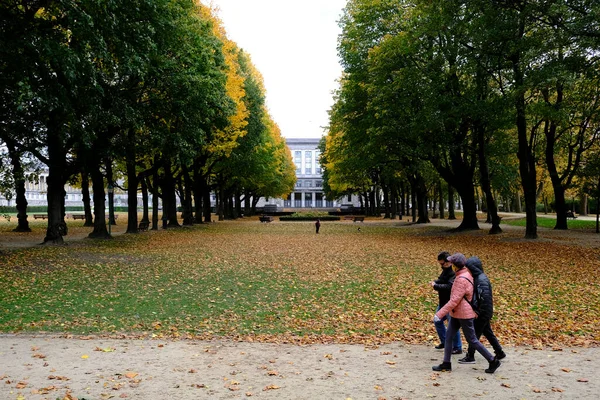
[[443, 256]]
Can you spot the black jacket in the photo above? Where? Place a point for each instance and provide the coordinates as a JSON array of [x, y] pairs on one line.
[[484, 288], [443, 284]]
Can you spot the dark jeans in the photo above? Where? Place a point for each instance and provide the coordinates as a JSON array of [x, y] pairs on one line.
[[468, 329], [483, 327]]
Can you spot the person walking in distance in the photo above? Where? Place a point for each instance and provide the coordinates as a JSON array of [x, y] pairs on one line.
[[318, 225], [443, 285], [462, 316], [486, 311]]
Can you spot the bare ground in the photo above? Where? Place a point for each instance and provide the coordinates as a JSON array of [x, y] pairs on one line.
[[46, 367]]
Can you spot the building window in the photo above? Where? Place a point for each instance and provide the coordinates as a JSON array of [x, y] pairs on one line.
[[308, 162], [308, 183], [298, 161], [319, 183], [298, 183], [349, 197]]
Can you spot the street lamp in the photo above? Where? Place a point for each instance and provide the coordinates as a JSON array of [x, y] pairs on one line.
[[110, 193]]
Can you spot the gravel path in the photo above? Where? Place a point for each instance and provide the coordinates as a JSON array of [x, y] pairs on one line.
[[46, 367]]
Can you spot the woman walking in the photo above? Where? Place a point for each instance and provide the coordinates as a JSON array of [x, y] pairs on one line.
[[462, 316]]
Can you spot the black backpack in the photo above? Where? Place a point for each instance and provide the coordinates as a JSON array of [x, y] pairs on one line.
[[476, 300]]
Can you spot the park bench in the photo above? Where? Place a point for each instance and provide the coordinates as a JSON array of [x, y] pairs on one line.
[[40, 216], [571, 214], [78, 216], [143, 225], [359, 219], [348, 217], [266, 218]]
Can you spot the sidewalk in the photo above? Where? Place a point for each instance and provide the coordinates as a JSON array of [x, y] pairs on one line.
[[45, 367]]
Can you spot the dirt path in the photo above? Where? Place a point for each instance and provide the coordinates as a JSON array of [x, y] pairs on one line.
[[49, 368]]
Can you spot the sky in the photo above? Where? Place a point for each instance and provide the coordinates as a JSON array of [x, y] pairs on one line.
[[294, 46]]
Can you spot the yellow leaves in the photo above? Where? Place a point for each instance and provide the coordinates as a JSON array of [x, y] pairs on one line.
[[85, 357], [130, 375], [105, 350], [271, 387]]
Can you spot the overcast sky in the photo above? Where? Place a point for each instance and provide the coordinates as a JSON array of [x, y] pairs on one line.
[[294, 46]]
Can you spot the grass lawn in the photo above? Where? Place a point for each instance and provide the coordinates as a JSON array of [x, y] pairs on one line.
[[281, 282], [545, 222]]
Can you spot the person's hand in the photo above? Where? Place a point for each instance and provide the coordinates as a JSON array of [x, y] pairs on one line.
[[436, 318], [432, 283]]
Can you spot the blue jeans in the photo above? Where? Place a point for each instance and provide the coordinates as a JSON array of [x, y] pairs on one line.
[[440, 327]]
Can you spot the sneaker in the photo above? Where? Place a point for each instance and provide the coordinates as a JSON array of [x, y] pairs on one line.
[[440, 346], [501, 355], [442, 367], [494, 365], [456, 351], [467, 360]]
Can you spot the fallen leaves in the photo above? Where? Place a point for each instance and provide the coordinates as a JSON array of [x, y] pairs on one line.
[[281, 285], [271, 387]]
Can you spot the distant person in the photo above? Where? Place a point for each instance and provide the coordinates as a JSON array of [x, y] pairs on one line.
[[462, 316], [318, 225], [443, 285], [486, 312]]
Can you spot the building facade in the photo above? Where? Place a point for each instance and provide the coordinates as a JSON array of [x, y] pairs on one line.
[[308, 192]]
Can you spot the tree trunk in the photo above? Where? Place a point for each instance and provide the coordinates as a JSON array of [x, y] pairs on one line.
[[56, 189], [144, 187], [525, 146], [441, 199], [206, 200], [85, 194], [19, 178], [188, 214], [386, 203], [486, 184], [155, 198], [100, 231], [583, 204], [132, 183], [169, 196], [111, 194]]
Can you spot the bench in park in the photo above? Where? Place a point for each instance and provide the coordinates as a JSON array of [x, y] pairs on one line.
[[359, 219], [348, 217], [266, 218], [144, 225], [78, 216], [40, 216], [571, 214]]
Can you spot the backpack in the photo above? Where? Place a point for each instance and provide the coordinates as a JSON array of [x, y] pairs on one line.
[[476, 300]]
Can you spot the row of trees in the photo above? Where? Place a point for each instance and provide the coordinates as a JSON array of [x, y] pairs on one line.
[[151, 92], [489, 95]]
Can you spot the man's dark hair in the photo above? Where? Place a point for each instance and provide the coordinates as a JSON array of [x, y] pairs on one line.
[[443, 256]]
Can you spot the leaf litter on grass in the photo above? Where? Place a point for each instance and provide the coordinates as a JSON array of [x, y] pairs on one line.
[[284, 283]]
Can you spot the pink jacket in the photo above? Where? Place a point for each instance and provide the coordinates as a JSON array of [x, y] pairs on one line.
[[457, 306]]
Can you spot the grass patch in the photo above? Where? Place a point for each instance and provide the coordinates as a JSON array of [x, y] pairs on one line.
[[282, 282], [545, 222]]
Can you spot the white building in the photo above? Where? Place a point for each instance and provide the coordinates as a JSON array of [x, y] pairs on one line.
[[308, 192]]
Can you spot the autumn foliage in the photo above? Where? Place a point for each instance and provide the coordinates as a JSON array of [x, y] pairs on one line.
[[281, 282]]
